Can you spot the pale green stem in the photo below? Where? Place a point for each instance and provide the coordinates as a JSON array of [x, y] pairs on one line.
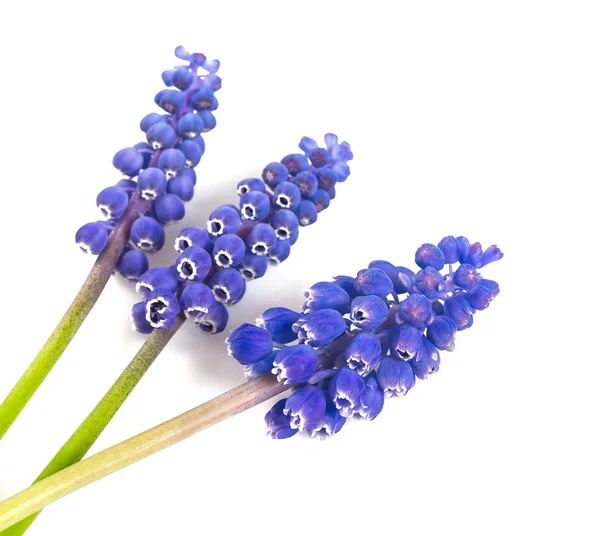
[[62, 335], [84, 437], [108, 461]]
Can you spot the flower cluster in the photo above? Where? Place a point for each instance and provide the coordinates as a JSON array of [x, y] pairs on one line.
[[360, 339], [158, 174], [240, 241]]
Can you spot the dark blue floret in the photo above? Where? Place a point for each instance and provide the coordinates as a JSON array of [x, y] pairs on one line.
[[278, 321], [280, 252], [132, 264], [251, 185], [169, 209], [193, 236], [373, 281], [254, 205], [112, 202], [228, 286], [368, 312], [249, 344], [224, 220], [306, 407], [307, 212], [193, 264], [229, 251], [262, 239], [278, 424], [147, 234], [92, 237], [326, 295]]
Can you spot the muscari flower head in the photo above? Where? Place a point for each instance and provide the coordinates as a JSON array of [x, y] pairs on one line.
[[158, 175], [239, 242], [361, 339]]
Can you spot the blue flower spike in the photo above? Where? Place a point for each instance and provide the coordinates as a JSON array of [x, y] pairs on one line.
[[359, 340], [237, 245], [158, 176]]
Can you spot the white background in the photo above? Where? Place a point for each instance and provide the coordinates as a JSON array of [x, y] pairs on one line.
[[475, 118]]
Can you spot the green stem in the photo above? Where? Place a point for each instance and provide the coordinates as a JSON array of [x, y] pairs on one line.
[[66, 329], [84, 437], [137, 448]]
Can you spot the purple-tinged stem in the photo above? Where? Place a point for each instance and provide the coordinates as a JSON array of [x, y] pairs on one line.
[[60, 484], [66, 329]]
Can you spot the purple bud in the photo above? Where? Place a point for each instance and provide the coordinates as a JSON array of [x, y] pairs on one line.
[[285, 223], [137, 319], [254, 205], [449, 247], [442, 332], [132, 264], [262, 239], [406, 280], [274, 174], [172, 162], [159, 277], [368, 312], [169, 209], [491, 254], [363, 353], [345, 391], [429, 255], [459, 310], [215, 321], [249, 344], [277, 423], [295, 364], [406, 341], [251, 185], [427, 360], [147, 234], [92, 237], [330, 425], [228, 286], [223, 220], [295, 163], [253, 266], [193, 264], [196, 299], [278, 321], [287, 195], [193, 236], [430, 283], [152, 182], [112, 202], [128, 161], [371, 401], [280, 252], [229, 250], [326, 295], [466, 277], [162, 307], [306, 407], [395, 376], [414, 310], [320, 327], [373, 281]]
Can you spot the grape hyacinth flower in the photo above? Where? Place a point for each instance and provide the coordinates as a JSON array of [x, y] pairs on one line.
[[361, 339], [211, 271], [240, 241], [329, 387], [157, 176]]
